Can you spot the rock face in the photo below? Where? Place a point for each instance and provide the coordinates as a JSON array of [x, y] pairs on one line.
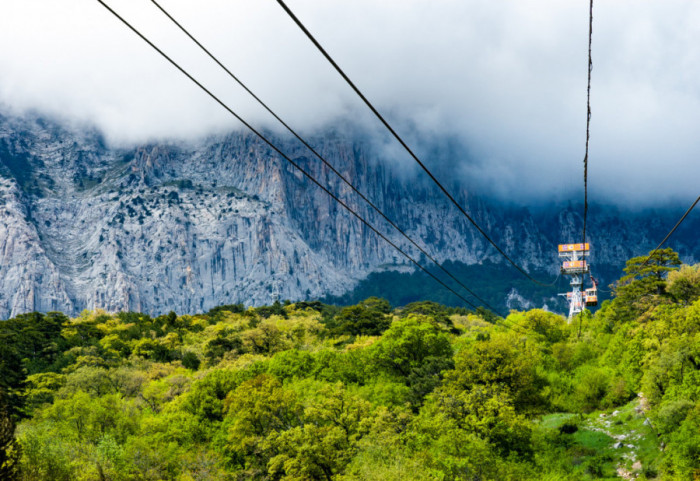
[[224, 220]]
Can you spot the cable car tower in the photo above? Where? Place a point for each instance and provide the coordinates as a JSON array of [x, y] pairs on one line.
[[575, 265]]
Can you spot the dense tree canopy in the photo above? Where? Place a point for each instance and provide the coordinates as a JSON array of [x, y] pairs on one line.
[[307, 391]]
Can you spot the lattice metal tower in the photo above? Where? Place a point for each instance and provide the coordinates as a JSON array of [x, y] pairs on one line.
[[574, 265]]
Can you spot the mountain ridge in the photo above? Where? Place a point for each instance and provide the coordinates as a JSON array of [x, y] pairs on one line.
[[190, 225]]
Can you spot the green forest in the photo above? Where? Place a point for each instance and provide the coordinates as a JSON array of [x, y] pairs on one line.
[[309, 391]]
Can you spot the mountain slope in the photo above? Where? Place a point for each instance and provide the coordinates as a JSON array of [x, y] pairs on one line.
[[187, 226]]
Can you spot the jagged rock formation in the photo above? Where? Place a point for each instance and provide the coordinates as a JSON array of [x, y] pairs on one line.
[[190, 226]]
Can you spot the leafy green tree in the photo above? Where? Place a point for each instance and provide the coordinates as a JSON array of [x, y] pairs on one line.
[[682, 459], [29, 344], [432, 310], [440, 439], [191, 361], [377, 304], [361, 320], [226, 341], [504, 362], [655, 266], [488, 412], [684, 284], [46, 456], [158, 392], [551, 327], [41, 388], [10, 453], [205, 399], [350, 367], [153, 458], [487, 315], [111, 461], [625, 353], [39, 340], [592, 384], [309, 452], [12, 373], [83, 332], [255, 410], [115, 345], [407, 343], [234, 308], [675, 371], [276, 309], [266, 338], [291, 364], [89, 418], [671, 414], [335, 406], [424, 378], [644, 283], [89, 379], [152, 349], [383, 454], [324, 444], [171, 319]]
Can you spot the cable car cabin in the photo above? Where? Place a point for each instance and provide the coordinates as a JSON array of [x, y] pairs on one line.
[[578, 248], [591, 296], [574, 267]]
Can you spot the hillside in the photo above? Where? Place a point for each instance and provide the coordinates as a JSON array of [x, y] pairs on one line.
[[308, 391], [189, 226]]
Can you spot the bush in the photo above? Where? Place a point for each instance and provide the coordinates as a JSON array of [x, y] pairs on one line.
[[591, 387], [359, 320], [191, 361], [152, 349], [293, 363], [568, 428]]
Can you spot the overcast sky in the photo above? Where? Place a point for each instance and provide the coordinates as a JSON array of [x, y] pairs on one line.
[[506, 77]]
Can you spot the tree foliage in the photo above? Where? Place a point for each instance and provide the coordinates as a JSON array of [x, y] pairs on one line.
[[307, 391]]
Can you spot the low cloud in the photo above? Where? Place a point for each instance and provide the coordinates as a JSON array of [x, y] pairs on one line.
[[506, 78]]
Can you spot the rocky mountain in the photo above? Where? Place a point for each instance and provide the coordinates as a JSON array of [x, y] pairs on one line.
[[188, 226]]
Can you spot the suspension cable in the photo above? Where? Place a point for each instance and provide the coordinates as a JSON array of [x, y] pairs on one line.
[[403, 144], [680, 221], [320, 157], [280, 153], [588, 122]]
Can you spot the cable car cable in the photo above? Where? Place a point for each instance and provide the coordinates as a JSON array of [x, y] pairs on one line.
[[320, 157], [553, 283], [403, 144], [279, 152], [588, 122], [575, 305], [671, 232]]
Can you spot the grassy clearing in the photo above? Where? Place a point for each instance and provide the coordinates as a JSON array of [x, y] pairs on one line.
[[591, 450]]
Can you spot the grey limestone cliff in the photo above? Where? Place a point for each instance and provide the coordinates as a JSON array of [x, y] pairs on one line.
[[188, 226]]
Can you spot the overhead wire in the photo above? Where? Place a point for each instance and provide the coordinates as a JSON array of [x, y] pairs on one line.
[[282, 154], [403, 143], [320, 157], [442, 188], [553, 283], [588, 121], [585, 159], [588, 134], [680, 221]]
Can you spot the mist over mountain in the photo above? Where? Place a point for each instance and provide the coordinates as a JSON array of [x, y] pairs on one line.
[[188, 225], [507, 79]]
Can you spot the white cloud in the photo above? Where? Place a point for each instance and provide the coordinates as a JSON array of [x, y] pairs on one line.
[[507, 77]]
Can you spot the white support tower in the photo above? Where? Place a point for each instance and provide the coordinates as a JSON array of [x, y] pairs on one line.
[[575, 265]]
